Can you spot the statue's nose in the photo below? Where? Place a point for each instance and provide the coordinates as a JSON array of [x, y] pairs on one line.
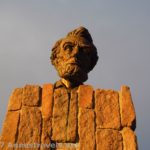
[[75, 51]]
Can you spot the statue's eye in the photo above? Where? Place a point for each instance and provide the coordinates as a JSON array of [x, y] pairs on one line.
[[84, 48], [68, 47]]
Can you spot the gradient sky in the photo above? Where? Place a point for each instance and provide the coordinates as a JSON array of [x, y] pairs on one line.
[[120, 31]]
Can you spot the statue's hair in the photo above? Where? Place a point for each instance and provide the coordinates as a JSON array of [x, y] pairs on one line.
[[79, 32]]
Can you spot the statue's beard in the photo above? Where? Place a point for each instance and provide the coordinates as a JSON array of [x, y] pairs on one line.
[[72, 72]]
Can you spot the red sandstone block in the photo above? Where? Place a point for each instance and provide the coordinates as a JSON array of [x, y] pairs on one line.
[[107, 109], [46, 134], [86, 129], [129, 139], [85, 96], [10, 127], [31, 95], [128, 117], [15, 100], [109, 139], [60, 114], [30, 126], [47, 100], [72, 117]]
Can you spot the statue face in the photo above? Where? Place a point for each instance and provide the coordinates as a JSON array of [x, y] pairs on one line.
[[74, 59], [74, 56]]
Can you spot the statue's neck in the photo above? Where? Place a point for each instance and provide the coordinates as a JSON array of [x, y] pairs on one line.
[[68, 83]]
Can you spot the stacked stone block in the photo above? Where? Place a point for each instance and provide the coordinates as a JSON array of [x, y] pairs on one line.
[[56, 118]]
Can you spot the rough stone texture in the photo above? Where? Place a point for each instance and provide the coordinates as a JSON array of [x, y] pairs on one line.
[[109, 139], [60, 115], [46, 133], [72, 117], [128, 117], [86, 129], [10, 128], [15, 100], [30, 125], [69, 116], [129, 139], [107, 109], [47, 104], [47, 100], [31, 95], [85, 96]]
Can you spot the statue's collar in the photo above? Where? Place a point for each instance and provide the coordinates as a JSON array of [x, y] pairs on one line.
[[59, 84]]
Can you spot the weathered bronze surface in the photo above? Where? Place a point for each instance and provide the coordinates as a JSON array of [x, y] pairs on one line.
[[74, 56]]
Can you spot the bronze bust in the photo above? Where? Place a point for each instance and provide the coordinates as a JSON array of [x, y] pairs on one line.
[[74, 57]]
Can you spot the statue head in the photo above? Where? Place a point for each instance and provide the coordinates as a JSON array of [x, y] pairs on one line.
[[74, 56]]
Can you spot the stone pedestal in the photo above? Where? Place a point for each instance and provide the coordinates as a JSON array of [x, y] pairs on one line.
[[56, 118]]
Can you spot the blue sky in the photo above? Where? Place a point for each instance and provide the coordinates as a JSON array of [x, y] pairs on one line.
[[120, 31]]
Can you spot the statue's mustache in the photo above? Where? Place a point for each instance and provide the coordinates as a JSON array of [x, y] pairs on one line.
[[73, 60]]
